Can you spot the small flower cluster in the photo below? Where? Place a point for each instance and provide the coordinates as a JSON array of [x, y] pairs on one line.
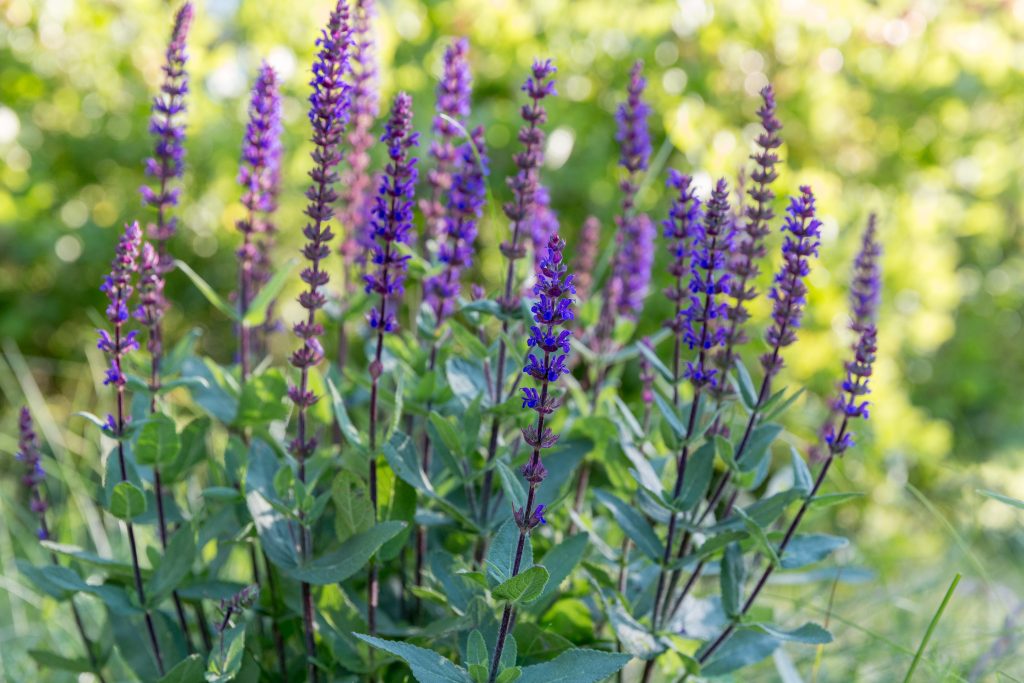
[[709, 281], [168, 160], [356, 182], [329, 106], [28, 453], [152, 303], [118, 286], [465, 205], [789, 293], [866, 287], [538, 86], [392, 217], [453, 103]]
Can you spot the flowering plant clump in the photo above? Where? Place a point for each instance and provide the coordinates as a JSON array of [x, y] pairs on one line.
[[484, 462]]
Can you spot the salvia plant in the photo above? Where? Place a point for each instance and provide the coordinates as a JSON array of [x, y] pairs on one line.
[[477, 461]]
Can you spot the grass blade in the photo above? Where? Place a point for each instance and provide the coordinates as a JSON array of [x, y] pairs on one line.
[[931, 628]]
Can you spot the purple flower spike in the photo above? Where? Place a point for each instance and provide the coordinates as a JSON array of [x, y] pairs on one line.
[[356, 181], [119, 287], [634, 256], [790, 289], [465, 205], [524, 183], [453, 95], [546, 362], [750, 247], [683, 221], [29, 454], [392, 217], [866, 288], [709, 283], [328, 113], [168, 161]]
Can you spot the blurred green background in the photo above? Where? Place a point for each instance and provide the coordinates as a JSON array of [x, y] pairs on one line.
[[913, 109]]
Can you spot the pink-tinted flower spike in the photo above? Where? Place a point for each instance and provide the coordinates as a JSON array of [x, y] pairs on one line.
[[354, 208], [28, 453]]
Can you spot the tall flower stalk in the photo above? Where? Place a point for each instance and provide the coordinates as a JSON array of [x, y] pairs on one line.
[[455, 253], [634, 251], [258, 175], [29, 454], [539, 85], [166, 168], [328, 114], [586, 255], [546, 363], [356, 194], [789, 297], [849, 405], [391, 226], [453, 106], [750, 247], [701, 331], [116, 343]]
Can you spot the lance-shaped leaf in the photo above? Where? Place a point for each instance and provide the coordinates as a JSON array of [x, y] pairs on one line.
[[523, 587], [346, 560], [427, 666]]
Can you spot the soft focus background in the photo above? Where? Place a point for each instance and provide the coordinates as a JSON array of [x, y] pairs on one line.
[[913, 109]]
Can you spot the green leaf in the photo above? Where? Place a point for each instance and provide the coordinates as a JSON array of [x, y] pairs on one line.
[[757, 447], [207, 291], [745, 647], [257, 313], [1002, 499], [127, 501], [760, 537], [476, 648], [733, 572], [174, 566], [561, 560], [226, 657], [810, 548], [748, 394], [808, 634], [827, 500], [96, 420], [776, 405], [523, 587], [576, 666], [509, 675], [699, 467], [763, 512], [346, 560], [467, 381], [348, 430], [192, 452], [636, 639], [188, 670], [157, 442], [445, 429], [263, 400], [802, 480], [273, 529], [633, 524], [353, 511], [60, 583], [502, 553], [427, 666], [509, 655], [222, 494], [511, 485], [655, 361], [403, 457], [49, 661], [218, 395], [670, 415]]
